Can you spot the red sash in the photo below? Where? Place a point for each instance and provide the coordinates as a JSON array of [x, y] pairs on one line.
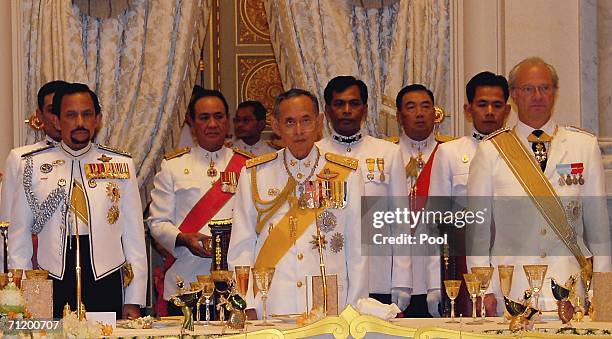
[[422, 182], [212, 201], [200, 214]]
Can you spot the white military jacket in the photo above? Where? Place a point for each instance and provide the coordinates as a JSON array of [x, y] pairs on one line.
[[343, 251], [115, 226], [526, 234], [9, 180], [425, 270], [385, 272], [259, 148], [179, 185]]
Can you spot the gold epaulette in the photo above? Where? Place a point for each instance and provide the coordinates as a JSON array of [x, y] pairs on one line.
[[342, 160], [444, 138], [276, 144], [177, 153], [243, 152], [496, 133], [578, 129], [262, 159], [38, 150], [394, 139], [114, 150]]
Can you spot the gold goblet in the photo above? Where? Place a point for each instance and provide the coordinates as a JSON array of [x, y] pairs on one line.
[[473, 287], [535, 276], [208, 288], [505, 283], [452, 290], [263, 279], [484, 274], [242, 279]]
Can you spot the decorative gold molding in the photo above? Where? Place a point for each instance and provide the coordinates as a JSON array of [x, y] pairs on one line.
[[257, 78], [365, 324], [251, 23]]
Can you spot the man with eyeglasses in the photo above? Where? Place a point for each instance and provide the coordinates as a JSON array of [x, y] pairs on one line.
[[293, 205], [194, 186], [381, 166], [541, 188], [249, 122]]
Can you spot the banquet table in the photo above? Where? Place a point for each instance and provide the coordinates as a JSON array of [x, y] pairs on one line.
[[350, 324]]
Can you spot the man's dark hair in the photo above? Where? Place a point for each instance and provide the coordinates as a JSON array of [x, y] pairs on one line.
[[50, 87], [72, 88], [412, 88], [340, 83], [486, 79], [292, 93], [258, 109], [199, 94]]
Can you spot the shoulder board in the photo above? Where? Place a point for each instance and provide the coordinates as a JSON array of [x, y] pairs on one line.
[[243, 152], [394, 139], [444, 138], [114, 150], [275, 144], [36, 151], [342, 160], [496, 133], [177, 153], [262, 159], [578, 129]]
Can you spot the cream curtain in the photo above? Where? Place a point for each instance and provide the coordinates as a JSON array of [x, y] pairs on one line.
[[142, 64], [387, 47]]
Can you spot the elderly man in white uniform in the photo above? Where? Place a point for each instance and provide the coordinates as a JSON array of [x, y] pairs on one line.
[[78, 185], [487, 95], [382, 168], [560, 168], [189, 191], [280, 195]]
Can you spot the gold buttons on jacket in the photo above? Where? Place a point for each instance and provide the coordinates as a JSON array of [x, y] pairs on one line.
[[300, 256], [543, 231], [299, 284]]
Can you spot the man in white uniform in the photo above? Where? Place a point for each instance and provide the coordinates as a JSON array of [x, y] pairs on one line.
[[382, 168], [558, 167], [418, 144], [44, 113], [84, 187], [188, 192], [249, 122], [487, 108], [280, 195]]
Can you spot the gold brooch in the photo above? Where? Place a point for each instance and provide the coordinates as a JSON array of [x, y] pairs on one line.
[[112, 191], [104, 158], [315, 241], [112, 215]]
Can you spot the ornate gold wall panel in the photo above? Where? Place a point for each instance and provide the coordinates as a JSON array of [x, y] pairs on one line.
[[258, 78], [252, 26]]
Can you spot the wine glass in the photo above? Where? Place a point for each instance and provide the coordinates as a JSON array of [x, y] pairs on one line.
[[263, 280], [452, 290], [484, 274], [535, 276], [505, 283], [208, 288], [242, 279], [221, 279], [473, 287]]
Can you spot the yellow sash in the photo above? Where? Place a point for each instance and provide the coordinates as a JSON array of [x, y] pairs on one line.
[[541, 192], [78, 203], [281, 238]]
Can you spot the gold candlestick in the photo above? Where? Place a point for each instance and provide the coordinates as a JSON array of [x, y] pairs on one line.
[[322, 266]]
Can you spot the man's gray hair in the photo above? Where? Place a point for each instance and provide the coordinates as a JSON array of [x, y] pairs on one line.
[[292, 93], [532, 61]]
